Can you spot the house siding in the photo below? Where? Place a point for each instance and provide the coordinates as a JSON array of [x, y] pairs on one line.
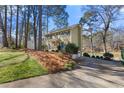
[[74, 36]]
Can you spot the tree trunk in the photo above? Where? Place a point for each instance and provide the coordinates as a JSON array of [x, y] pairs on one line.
[[92, 42], [10, 26], [25, 43], [5, 42], [27, 27], [17, 18], [47, 19], [104, 43], [2, 27], [40, 28], [22, 30], [35, 34], [105, 35], [21, 34]]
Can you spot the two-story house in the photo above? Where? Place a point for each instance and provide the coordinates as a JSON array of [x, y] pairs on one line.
[[71, 34]]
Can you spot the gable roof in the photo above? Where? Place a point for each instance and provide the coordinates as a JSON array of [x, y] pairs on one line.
[[62, 29]]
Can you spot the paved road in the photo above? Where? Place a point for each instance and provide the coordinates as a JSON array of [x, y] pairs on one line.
[[91, 74]]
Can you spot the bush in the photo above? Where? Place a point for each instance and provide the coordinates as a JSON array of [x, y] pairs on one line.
[[69, 66], [44, 47], [93, 56], [71, 48], [53, 50], [97, 57], [56, 50], [122, 53], [86, 55], [58, 47], [108, 56], [122, 62], [101, 57], [13, 46], [46, 50]]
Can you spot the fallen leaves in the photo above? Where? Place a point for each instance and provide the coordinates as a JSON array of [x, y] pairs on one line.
[[53, 61]]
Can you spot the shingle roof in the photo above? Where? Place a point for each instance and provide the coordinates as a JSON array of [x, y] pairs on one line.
[[62, 29]]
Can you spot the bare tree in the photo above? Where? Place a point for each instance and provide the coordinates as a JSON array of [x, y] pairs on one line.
[[105, 15], [88, 21], [11, 16], [27, 23], [5, 42], [21, 32], [40, 28], [34, 8], [17, 19]]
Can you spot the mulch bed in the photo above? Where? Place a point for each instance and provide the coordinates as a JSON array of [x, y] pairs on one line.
[[53, 61]]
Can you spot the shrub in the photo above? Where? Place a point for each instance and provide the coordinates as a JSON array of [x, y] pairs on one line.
[[69, 66], [108, 56], [46, 50], [93, 56], [101, 57], [58, 47], [122, 53], [86, 55], [56, 50], [71, 48], [122, 62], [53, 50], [13, 46], [97, 57], [44, 47]]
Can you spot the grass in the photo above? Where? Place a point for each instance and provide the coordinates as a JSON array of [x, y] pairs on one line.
[[14, 60], [18, 67], [9, 55]]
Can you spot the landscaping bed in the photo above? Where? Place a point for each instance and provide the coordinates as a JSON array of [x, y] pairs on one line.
[[53, 61]]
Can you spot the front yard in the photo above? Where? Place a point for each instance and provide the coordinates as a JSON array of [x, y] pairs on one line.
[[18, 65]]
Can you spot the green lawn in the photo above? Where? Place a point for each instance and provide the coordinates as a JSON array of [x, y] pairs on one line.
[[9, 55], [18, 65]]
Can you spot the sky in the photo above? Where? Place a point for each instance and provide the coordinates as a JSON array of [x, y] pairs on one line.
[[75, 14]]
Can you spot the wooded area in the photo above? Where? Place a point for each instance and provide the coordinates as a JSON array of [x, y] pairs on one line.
[[19, 22], [101, 33]]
